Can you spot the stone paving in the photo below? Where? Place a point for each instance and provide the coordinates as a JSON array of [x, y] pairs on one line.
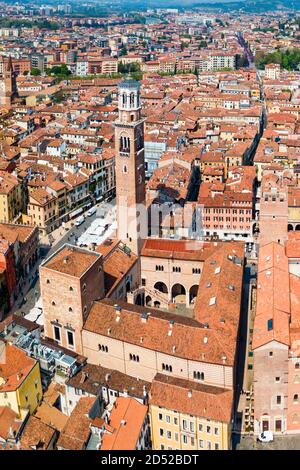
[[287, 442]]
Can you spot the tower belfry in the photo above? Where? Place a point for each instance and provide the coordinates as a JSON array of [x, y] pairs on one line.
[[130, 165]]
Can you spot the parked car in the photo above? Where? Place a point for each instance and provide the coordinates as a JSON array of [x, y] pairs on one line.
[[79, 221], [91, 211], [266, 436]]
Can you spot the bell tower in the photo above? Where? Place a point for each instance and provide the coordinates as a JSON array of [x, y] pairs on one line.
[[8, 84], [130, 167]]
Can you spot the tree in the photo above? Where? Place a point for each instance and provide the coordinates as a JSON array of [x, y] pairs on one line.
[[288, 59], [123, 51], [202, 44], [35, 72], [59, 70], [241, 61]]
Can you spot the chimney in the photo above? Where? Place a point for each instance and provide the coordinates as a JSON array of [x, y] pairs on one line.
[[118, 312], [190, 394], [107, 377], [144, 316], [84, 376], [123, 422]]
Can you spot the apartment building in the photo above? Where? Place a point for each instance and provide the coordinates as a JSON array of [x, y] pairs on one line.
[[229, 207], [11, 197], [185, 415], [94, 380], [20, 380], [43, 210]]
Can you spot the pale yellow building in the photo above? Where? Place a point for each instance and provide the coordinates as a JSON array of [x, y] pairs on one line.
[[11, 199], [187, 415], [43, 210], [20, 380]]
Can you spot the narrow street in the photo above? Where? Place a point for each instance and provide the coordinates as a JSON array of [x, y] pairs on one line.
[[61, 236]]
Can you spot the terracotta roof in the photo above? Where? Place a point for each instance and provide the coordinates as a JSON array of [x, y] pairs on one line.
[[71, 260], [126, 419], [15, 367], [191, 398], [92, 377], [9, 423], [273, 297], [51, 416], [76, 432], [36, 435], [177, 249]]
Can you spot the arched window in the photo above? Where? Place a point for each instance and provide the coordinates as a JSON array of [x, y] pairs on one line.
[[295, 399], [297, 365]]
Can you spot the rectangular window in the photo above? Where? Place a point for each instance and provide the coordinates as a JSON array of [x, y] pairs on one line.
[[278, 400], [70, 336], [56, 330]]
